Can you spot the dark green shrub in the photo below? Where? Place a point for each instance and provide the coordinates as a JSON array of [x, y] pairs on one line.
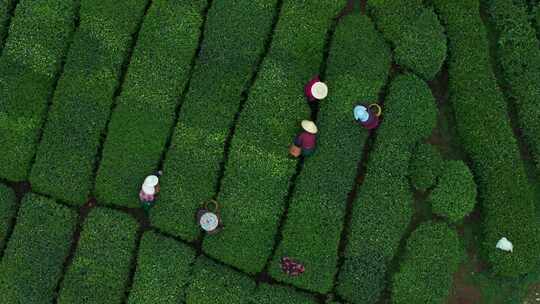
[[314, 223], [144, 114], [425, 167], [100, 268], [5, 6], [29, 64], [258, 169], [271, 294], [7, 211], [432, 256], [482, 122], [383, 208], [82, 100], [363, 277], [163, 268], [415, 33], [34, 258], [213, 283], [225, 64], [455, 195], [519, 58]]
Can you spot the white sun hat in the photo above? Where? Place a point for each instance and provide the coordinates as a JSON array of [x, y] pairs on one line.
[[505, 244], [319, 90], [150, 190], [209, 221], [151, 181], [309, 126]]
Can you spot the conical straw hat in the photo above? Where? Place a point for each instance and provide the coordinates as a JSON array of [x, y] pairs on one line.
[[309, 126], [505, 244], [151, 181], [209, 221], [150, 190], [319, 90]]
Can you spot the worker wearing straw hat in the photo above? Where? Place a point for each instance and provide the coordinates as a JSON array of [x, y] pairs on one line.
[[315, 89], [149, 191], [306, 140], [366, 116]]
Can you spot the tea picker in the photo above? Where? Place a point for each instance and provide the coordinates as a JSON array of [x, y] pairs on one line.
[[291, 267], [306, 141], [367, 116], [149, 191], [209, 219], [505, 245], [315, 89]]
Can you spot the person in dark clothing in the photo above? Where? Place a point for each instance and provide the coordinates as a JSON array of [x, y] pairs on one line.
[[306, 141], [366, 117], [315, 89], [291, 267]]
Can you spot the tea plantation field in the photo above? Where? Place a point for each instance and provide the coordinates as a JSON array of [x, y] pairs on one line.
[[96, 95]]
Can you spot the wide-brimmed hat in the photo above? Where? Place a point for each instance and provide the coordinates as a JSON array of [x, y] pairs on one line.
[[309, 126], [150, 190], [319, 90], [151, 181], [209, 221]]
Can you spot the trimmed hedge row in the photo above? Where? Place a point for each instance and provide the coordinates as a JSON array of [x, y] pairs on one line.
[[415, 33], [357, 69], [383, 208], [482, 122], [30, 63], [142, 119], [101, 264], [82, 101], [258, 170], [163, 269], [33, 261], [7, 211], [425, 167], [213, 283], [223, 68], [271, 294], [432, 256], [519, 57], [455, 195]]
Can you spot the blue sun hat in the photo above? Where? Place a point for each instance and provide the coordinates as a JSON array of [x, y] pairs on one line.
[[360, 113]]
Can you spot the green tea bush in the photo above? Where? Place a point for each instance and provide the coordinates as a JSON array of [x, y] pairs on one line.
[[271, 294], [225, 64], [432, 256], [163, 269], [30, 63], [362, 278], [383, 208], [213, 283], [425, 167], [258, 169], [519, 58], [415, 33], [455, 195], [34, 258], [357, 70], [482, 122], [100, 268], [7, 211], [144, 114], [82, 100]]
